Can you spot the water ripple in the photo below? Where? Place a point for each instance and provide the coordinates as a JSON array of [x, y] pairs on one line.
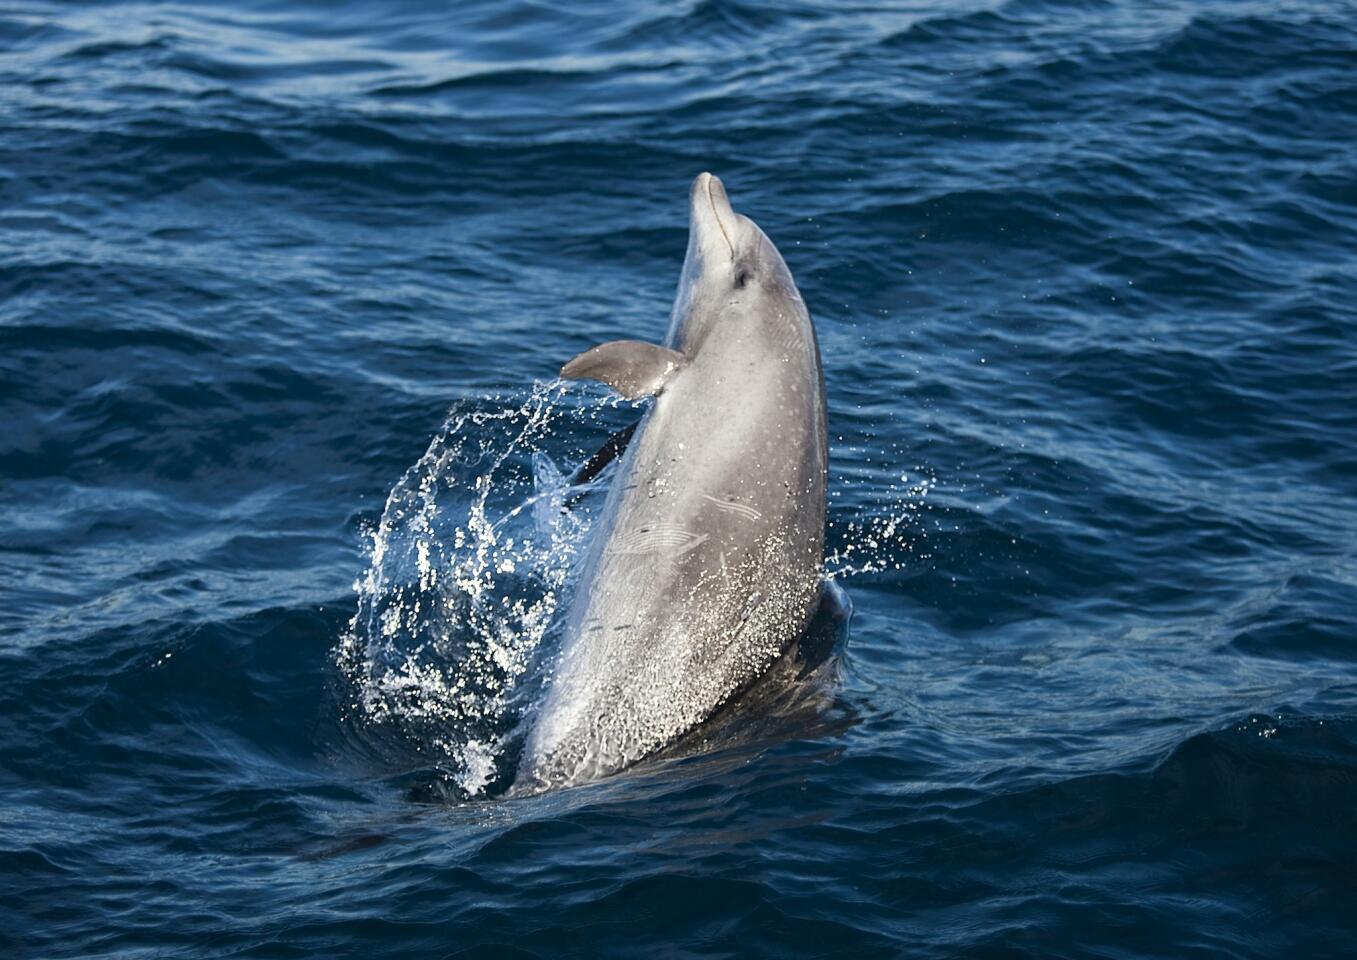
[[1082, 275]]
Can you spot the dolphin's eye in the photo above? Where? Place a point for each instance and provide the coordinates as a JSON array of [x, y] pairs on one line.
[[741, 277]]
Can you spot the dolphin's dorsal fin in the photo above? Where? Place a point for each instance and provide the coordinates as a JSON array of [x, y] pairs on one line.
[[633, 368]]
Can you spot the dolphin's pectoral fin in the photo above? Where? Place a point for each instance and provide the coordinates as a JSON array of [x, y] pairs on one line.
[[612, 449], [633, 368]]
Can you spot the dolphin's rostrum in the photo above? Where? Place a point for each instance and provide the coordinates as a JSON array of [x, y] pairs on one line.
[[705, 561]]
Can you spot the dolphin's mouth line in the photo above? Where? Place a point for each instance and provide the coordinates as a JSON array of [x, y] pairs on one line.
[[716, 215]]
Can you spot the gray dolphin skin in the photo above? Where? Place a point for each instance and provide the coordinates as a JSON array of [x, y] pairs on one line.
[[705, 561]]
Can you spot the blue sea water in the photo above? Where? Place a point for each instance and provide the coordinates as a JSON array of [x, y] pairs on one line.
[[283, 290]]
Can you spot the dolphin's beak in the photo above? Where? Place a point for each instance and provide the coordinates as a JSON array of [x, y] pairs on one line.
[[712, 221]]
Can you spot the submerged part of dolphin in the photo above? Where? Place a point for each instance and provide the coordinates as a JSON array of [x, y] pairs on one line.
[[705, 562]]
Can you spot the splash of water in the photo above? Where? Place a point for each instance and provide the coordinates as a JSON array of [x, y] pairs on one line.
[[469, 566], [472, 563], [885, 536]]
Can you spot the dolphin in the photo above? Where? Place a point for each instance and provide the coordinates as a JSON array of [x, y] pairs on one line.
[[705, 563]]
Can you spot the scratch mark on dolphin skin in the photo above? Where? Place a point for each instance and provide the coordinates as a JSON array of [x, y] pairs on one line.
[[734, 506], [657, 537]]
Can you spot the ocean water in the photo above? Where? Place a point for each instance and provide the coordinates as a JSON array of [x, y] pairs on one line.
[[284, 287]]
